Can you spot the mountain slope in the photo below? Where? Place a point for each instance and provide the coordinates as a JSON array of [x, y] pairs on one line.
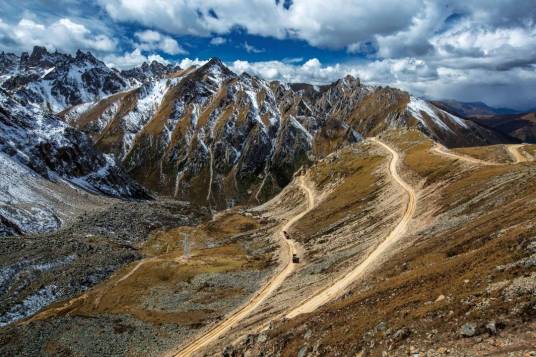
[[41, 155], [460, 282], [519, 126], [213, 137], [471, 109], [510, 123]]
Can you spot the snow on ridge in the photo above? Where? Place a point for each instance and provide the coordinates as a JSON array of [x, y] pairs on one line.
[[456, 119], [150, 97], [298, 126], [47, 71], [195, 116], [417, 106], [256, 113], [72, 115], [216, 75]]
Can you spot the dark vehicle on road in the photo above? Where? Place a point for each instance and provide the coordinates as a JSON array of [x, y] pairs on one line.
[[295, 258], [286, 235]]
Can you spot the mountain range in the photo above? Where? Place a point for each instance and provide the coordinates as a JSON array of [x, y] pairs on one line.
[[202, 134]]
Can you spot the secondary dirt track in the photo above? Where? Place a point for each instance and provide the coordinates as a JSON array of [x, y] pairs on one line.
[[445, 152], [516, 154], [513, 150], [286, 269]]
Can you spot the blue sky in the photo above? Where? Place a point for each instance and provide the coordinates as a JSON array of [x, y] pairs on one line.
[[478, 50]]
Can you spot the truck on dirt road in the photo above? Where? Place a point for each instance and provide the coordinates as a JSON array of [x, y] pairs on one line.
[[295, 258]]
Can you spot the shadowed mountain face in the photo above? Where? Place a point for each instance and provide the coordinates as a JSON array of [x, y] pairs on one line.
[[472, 109], [518, 126], [511, 123]]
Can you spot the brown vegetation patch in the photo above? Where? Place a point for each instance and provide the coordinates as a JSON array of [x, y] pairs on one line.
[[110, 139], [174, 258], [355, 172], [215, 102], [155, 126], [369, 117], [93, 114]]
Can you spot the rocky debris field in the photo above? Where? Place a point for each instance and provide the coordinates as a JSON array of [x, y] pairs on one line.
[[185, 278], [37, 270]]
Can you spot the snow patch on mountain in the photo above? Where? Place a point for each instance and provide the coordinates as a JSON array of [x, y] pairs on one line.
[[32, 304], [47, 71], [417, 106], [25, 199], [150, 97], [456, 119], [39, 156], [300, 127]]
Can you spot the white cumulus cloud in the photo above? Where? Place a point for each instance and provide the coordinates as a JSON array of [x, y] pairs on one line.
[[153, 40], [132, 59], [217, 41], [63, 34]]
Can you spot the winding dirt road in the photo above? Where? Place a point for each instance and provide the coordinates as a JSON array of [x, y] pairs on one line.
[[513, 149], [516, 154], [440, 149], [339, 287], [287, 268]]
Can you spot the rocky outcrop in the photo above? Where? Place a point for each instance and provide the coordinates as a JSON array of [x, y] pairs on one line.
[[56, 81], [8, 64], [149, 71]]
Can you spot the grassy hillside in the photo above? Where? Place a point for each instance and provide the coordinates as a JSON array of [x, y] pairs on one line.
[[462, 281]]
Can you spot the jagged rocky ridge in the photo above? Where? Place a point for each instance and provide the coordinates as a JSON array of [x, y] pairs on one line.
[[214, 137], [39, 156], [149, 71], [56, 81]]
